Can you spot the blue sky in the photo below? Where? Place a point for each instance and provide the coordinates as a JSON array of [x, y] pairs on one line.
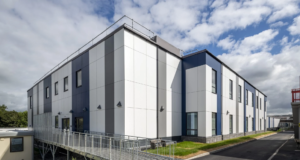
[[259, 39]]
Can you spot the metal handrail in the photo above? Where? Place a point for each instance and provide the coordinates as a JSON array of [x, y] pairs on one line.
[[91, 42]]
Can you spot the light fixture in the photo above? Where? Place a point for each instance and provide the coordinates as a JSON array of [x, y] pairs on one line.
[[249, 115], [58, 113], [162, 108], [227, 112], [71, 111], [84, 109], [99, 107], [119, 104]]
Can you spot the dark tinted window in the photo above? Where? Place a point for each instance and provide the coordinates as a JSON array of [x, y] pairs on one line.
[[16, 144]]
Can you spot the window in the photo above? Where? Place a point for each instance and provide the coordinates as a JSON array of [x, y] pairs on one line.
[[230, 89], [16, 144], [265, 105], [257, 102], [252, 124], [240, 93], [253, 100], [214, 124], [214, 81], [230, 125], [56, 88], [192, 124], [65, 123], [259, 124], [66, 84], [78, 78], [47, 92], [79, 124], [246, 124], [246, 95], [30, 102], [260, 103], [56, 121]]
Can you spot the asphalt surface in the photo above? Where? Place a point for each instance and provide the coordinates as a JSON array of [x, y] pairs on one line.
[[261, 149]]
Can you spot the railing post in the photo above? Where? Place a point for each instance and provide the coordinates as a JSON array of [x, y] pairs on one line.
[[79, 141], [100, 144], [93, 144], [68, 138], [85, 137], [73, 140], [110, 148]]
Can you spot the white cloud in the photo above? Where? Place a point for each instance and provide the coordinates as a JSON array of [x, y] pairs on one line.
[[294, 29], [36, 36], [283, 9], [226, 43], [278, 24], [275, 75]]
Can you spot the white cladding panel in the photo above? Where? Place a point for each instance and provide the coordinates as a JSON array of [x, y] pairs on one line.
[[241, 108], [228, 104], [62, 102], [140, 92]]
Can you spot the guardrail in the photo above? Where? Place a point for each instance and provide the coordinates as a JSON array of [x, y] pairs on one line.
[[107, 146]]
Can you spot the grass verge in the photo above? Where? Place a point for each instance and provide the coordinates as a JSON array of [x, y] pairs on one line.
[[188, 149]]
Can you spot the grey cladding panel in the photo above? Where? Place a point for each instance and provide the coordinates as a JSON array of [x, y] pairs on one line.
[[109, 85], [164, 44], [162, 56]]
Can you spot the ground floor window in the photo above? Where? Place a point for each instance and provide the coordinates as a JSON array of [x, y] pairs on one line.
[[79, 124], [214, 124], [230, 124], [192, 124], [65, 123], [260, 124], [56, 121], [253, 124], [16, 144], [246, 124]]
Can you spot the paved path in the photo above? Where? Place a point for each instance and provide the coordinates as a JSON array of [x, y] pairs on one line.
[[264, 149]]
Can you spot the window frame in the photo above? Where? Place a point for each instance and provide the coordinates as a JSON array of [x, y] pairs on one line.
[[257, 102], [196, 130], [66, 88], [230, 89], [253, 100], [77, 85], [10, 148], [30, 102], [47, 92], [214, 131], [56, 88], [56, 123], [246, 96], [240, 93], [260, 103], [230, 124], [214, 76]]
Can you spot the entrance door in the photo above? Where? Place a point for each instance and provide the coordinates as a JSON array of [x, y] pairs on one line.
[[79, 124], [65, 123]]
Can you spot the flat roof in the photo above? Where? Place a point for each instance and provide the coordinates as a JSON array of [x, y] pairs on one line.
[[15, 132]]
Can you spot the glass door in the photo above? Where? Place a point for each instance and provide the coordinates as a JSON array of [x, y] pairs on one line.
[[65, 123], [79, 124], [192, 124]]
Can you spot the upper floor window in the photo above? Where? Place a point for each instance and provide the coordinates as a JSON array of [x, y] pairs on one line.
[[214, 81], [66, 84], [56, 88], [240, 93], [253, 99], [56, 121], [260, 103], [78, 78], [246, 95], [265, 105], [47, 92], [30, 102], [257, 102], [16, 144], [230, 89]]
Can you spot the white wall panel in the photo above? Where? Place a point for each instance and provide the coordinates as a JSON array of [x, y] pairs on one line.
[[93, 121], [119, 93], [151, 50], [41, 97], [140, 94], [100, 123], [129, 96], [119, 120], [93, 100], [151, 124], [191, 80], [93, 75], [128, 64], [191, 102], [34, 97], [173, 61], [139, 44], [140, 67], [151, 98], [100, 99], [140, 121], [129, 121], [128, 39], [100, 72], [151, 72]]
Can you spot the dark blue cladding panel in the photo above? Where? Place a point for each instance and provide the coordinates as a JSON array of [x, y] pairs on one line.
[[81, 95], [187, 63], [48, 101], [217, 66], [248, 87]]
